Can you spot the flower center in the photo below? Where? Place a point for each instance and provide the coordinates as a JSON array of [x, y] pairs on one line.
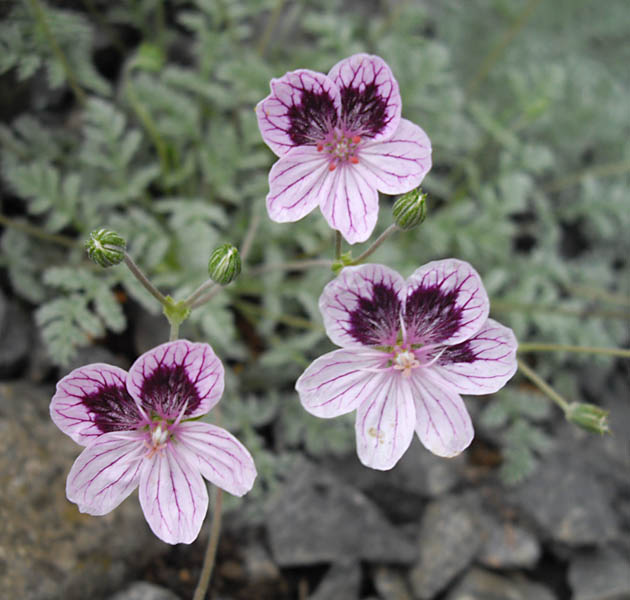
[[342, 147], [158, 438], [405, 361]]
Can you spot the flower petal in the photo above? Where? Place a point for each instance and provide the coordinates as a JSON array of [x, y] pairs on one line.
[[399, 164], [297, 182], [442, 420], [106, 472], [337, 382], [93, 400], [302, 108], [218, 456], [362, 306], [351, 204], [176, 376], [446, 303], [385, 422], [173, 496], [370, 99], [482, 364]]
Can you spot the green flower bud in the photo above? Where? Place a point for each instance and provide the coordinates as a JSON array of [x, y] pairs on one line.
[[225, 264], [410, 210], [105, 247], [588, 416]]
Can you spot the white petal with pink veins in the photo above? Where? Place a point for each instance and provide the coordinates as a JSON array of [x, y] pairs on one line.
[[302, 109], [442, 421], [370, 99], [177, 376], [399, 164], [337, 382], [217, 455], [93, 400], [482, 364], [351, 205], [173, 496], [446, 303], [297, 184], [385, 422], [106, 472], [361, 306]]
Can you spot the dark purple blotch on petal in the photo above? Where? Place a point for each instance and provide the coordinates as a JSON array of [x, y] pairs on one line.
[[363, 112], [375, 320], [432, 315], [167, 390], [113, 409], [312, 119], [459, 353]]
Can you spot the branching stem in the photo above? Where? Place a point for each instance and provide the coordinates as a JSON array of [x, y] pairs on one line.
[[543, 386], [142, 278], [379, 240]]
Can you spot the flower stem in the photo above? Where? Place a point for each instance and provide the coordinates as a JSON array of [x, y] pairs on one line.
[[174, 331], [142, 278], [623, 352], [211, 551], [337, 245], [508, 306], [38, 232], [543, 386], [40, 16], [379, 240]]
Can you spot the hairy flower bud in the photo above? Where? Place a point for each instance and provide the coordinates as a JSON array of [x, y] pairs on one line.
[[589, 416], [225, 264], [410, 209], [105, 247]]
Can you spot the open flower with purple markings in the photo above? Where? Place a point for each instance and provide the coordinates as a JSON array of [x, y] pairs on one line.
[[341, 139], [140, 429], [408, 350]]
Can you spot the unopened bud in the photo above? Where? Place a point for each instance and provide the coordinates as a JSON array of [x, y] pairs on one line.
[[410, 209], [589, 416], [105, 247], [225, 264]]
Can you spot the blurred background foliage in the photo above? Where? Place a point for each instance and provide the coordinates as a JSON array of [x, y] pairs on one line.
[[138, 116]]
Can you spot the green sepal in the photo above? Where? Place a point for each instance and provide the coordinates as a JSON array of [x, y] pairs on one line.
[[175, 312], [410, 210], [345, 260]]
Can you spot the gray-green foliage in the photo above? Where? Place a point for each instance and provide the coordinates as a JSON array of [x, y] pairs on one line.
[[529, 155]]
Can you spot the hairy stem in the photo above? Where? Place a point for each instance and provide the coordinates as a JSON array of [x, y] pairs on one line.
[[543, 386], [337, 244], [40, 16], [142, 278], [508, 306], [622, 352], [379, 240]]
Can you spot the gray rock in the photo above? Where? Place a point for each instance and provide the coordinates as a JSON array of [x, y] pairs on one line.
[[341, 582], [16, 333], [568, 502], [47, 548], [602, 574], [316, 518], [142, 590], [258, 564], [391, 584], [508, 545], [450, 538], [482, 585]]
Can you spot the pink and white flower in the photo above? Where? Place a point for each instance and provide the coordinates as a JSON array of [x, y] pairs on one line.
[[140, 429], [341, 139], [408, 350]]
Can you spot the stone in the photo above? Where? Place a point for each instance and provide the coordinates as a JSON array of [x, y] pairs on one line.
[[48, 549], [400, 492], [508, 545], [601, 574], [142, 590], [450, 538], [341, 582], [317, 518], [478, 584], [16, 338], [568, 502], [391, 584]]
